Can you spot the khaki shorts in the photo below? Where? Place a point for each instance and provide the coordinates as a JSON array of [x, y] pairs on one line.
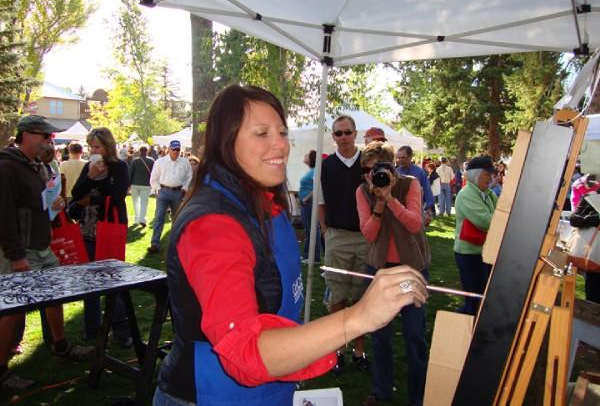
[[345, 250], [37, 260]]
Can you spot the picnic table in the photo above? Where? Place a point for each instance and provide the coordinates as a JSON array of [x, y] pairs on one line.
[[31, 290]]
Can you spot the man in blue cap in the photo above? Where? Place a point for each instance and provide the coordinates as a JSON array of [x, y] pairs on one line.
[[170, 179]]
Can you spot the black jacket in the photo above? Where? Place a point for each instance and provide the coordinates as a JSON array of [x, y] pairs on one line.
[[139, 171], [114, 185], [23, 221]]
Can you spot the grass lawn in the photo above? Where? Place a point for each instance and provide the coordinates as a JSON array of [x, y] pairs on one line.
[[65, 382]]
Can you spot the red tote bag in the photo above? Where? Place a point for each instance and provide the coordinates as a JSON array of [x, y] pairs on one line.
[[111, 238], [470, 233], [67, 242]]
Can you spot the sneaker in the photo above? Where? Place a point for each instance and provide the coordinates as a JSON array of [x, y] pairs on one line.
[[76, 352], [153, 249], [339, 366], [361, 362], [142, 225], [11, 381]]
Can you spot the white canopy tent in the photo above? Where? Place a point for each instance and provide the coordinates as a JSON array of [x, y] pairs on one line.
[[593, 129], [77, 132], [184, 136], [346, 32]]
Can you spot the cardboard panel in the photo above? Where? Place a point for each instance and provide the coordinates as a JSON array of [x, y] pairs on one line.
[[449, 345], [505, 201]]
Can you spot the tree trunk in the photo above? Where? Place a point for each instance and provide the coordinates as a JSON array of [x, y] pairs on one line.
[[493, 127], [203, 89]]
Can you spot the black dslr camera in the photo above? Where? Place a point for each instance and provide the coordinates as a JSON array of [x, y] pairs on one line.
[[379, 174]]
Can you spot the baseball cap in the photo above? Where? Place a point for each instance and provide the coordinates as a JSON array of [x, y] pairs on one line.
[[375, 134], [175, 144], [35, 123], [482, 162]]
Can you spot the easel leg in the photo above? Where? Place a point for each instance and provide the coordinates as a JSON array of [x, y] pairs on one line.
[[530, 341], [561, 327]]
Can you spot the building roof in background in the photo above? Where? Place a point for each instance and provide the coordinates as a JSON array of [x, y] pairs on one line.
[[56, 92], [67, 123]]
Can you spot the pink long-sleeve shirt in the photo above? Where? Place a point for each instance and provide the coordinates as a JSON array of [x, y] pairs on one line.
[[410, 216]]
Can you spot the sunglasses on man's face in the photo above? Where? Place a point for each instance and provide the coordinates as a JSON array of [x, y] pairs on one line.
[[339, 133], [45, 135]]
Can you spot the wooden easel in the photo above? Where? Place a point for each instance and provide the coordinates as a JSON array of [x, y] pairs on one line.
[[540, 310]]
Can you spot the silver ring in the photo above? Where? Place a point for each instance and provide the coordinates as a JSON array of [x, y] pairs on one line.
[[406, 286]]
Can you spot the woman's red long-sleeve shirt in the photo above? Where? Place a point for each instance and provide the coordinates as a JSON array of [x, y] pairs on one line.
[[218, 259]]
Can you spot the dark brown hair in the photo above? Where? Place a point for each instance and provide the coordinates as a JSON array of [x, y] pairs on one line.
[[104, 137], [312, 158], [223, 123]]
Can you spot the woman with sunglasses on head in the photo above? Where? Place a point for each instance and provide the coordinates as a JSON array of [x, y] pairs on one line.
[[390, 212], [103, 176], [234, 272]]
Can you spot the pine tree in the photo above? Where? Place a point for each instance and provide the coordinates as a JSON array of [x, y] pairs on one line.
[[13, 65]]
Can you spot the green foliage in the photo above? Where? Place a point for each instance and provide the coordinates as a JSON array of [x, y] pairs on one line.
[[440, 102], [535, 86], [293, 78], [470, 105], [48, 23], [140, 100], [13, 65]]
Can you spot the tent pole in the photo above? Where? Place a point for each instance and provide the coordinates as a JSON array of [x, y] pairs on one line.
[[316, 192]]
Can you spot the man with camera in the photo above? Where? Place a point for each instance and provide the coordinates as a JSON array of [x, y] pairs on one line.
[[344, 244]]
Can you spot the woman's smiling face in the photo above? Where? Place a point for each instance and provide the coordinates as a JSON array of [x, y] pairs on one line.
[[261, 146]]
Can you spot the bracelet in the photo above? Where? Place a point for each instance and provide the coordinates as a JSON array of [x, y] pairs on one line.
[[377, 214]]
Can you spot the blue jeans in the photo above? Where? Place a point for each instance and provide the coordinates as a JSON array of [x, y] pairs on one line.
[[415, 344], [306, 214], [163, 399], [445, 198], [92, 312], [165, 198], [474, 274]]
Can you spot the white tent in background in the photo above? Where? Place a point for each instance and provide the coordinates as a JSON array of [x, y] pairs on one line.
[[304, 138], [348, 32], [184, 136], [77, 132]]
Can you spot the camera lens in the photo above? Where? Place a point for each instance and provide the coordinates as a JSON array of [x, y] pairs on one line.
[[380, 177]]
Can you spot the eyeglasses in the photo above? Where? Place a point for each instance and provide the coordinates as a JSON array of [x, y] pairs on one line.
[[175, 149], [45, 135], [339, 133]]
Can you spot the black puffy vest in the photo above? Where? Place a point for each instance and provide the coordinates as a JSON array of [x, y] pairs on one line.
[[176, 376]]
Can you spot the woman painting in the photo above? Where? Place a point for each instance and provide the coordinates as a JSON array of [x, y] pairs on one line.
[[234, 272], [104, 176], [475, 205]]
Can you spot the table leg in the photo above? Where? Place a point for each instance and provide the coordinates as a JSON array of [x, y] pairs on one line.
[[99, 361], [146, 373]]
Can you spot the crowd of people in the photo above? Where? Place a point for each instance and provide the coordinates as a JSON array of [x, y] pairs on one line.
[[236, 297]]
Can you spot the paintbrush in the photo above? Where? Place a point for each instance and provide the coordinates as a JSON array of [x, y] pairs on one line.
[[429, 287]]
